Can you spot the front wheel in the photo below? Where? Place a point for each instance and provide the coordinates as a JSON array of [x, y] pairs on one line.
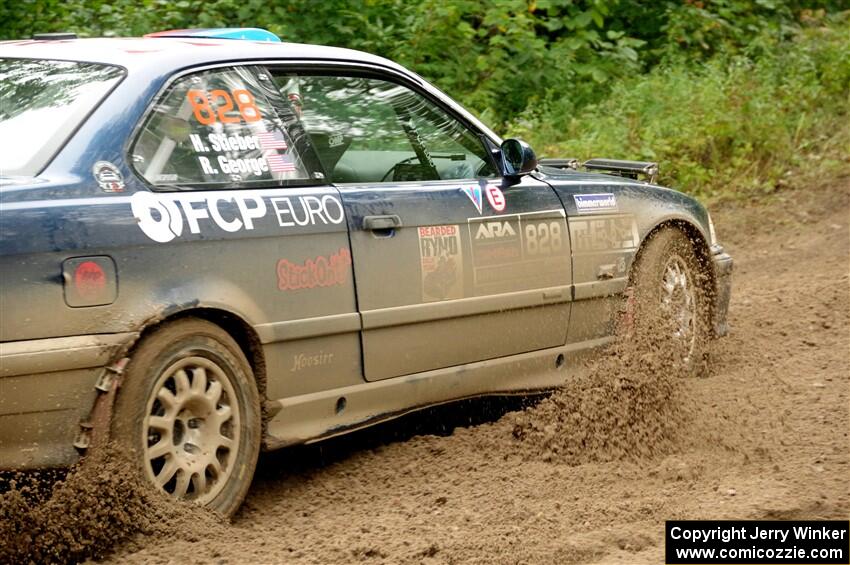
[[671, 302], [188, 413]]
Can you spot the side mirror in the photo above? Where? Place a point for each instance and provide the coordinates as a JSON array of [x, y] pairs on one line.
[[518, 158]]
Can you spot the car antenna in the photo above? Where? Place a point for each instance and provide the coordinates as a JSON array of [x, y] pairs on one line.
[[55, 36]]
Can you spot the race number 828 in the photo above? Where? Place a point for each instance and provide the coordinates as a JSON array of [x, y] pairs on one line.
[[543, 238], [203, 106]]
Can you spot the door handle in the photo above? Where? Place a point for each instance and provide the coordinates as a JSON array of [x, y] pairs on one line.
[[381, 223]]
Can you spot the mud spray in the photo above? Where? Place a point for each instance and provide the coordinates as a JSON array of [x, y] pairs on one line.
[[50, 518], [629, 403], [613, 411]]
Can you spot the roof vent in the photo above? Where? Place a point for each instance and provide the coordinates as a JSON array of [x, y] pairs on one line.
[[54, 36]]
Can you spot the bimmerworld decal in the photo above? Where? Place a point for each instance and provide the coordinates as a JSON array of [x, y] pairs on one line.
[[595, 203]]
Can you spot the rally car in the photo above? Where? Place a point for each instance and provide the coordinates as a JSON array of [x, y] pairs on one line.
[[213, 242]]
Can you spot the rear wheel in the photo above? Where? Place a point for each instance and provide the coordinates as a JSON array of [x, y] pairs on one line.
[[188, 412], [671, 302]]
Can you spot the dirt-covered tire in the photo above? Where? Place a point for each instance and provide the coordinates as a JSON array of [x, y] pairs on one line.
[[188, 414], [672, 303]]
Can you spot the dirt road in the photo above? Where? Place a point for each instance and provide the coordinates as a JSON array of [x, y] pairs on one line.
[[765, 436]]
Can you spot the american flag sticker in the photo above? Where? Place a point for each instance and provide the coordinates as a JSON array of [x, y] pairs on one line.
[[271, 140], [280, 163]]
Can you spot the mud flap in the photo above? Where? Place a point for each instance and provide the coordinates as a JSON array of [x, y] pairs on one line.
[[723, 290], [94, 433], [626, 314]]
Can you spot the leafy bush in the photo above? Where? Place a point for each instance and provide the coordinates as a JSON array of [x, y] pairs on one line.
[[730, 95], [497, 56], [735, 125]]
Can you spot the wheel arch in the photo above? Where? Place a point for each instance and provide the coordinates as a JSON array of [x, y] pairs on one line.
[[151, 356], [700, 246], [236, 327]]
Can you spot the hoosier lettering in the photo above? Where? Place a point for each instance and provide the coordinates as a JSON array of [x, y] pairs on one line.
[[302, 361]]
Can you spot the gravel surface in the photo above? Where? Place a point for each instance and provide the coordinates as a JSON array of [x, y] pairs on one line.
[[588, 474]]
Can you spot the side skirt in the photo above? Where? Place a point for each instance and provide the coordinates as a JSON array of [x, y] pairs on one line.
[[316, 416]]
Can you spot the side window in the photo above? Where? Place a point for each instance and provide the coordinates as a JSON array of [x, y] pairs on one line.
[[223, 128], [365, 129]]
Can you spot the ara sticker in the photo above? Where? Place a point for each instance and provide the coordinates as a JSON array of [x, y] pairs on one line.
[[108, 177], [495, 198], [593, 203], [507, 248], [474, 194]]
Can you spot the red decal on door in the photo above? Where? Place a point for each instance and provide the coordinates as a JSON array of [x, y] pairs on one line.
[[319, 272], [495, 198]]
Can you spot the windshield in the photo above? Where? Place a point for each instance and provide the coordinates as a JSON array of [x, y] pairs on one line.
[[41, 104]]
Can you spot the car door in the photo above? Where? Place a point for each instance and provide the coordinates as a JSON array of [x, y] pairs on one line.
[[236, 215], [452, 263]]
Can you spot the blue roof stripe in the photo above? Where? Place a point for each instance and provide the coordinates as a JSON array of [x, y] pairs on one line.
[[246, 33]]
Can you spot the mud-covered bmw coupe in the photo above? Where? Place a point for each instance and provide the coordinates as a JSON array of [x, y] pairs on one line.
[[213, 242]]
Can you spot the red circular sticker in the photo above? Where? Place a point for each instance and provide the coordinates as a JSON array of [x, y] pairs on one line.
[[89, 279], [495, 198]]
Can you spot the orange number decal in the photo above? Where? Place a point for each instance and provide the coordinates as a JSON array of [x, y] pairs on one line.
[[201, 107], [223, 109], [206, 115], [245, 102]]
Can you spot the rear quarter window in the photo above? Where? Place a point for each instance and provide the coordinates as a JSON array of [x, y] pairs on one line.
[[222, 128]]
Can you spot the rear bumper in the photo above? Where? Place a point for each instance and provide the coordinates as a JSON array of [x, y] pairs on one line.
[[46, 391], [722, 288]]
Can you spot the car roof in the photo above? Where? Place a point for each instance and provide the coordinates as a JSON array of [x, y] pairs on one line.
[[171, 53], [156, 58]]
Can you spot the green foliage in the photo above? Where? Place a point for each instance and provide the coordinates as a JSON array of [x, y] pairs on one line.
[[498, 56], [721, 91], [736, 125]]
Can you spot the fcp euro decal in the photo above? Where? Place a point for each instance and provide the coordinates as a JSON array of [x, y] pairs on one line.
[[162, 217]]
